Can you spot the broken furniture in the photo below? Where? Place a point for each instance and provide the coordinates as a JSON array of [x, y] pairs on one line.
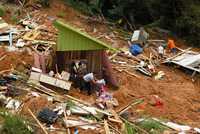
[[140, 36]]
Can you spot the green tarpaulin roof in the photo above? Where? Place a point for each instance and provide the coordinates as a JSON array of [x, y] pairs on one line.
[[72, 39]]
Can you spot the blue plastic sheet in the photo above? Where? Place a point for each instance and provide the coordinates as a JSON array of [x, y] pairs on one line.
[[135, 49]]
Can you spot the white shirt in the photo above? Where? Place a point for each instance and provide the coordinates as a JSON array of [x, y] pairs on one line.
[[88, 77], [160, 50], [101, 82]]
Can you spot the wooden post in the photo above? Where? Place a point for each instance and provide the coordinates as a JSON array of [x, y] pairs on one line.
[[106, 127], [68, 130]]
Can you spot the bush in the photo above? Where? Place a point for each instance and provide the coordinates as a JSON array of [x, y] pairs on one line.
[[2, 11], [14, 125], [179, 16], [44, 3]]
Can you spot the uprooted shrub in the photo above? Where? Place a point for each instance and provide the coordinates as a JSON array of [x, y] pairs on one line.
[[14, 124], [2, 11]]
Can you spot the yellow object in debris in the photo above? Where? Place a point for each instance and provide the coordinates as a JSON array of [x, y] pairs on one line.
[[159, 75], [31, 35]]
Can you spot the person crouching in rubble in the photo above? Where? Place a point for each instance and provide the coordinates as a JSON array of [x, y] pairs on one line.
[[171, 45], [88, 80], [100, 85], [161, 51], [81, 71]]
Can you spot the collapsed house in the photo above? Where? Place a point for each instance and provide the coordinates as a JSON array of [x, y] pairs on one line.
[[74, 45]]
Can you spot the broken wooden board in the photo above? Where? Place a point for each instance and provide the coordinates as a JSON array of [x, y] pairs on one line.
[[50, 80], [81, 124], [4, 38], [106, 127]]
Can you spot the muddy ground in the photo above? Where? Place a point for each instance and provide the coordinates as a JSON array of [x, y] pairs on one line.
[[179, 93]]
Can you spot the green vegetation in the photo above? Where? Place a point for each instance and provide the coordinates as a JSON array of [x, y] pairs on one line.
[[129, 129], [14, 124], [180, 16], [15, 19], [93, 7], [2, 11], [70, 104], [44, 3], [152, 126], [61, 14]]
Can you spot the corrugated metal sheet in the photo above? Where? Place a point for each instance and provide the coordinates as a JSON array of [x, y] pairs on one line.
[[189, 60], [71, 39]]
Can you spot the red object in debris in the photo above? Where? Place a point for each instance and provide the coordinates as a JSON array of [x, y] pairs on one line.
[[156, 101], [141, 106], [103, 89]]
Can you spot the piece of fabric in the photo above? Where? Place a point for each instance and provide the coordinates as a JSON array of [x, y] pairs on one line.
[[135, 49], [173, 50], [82, 70], [171, 44], [108, 74], [88, 77], [36, 61], [160, 50]]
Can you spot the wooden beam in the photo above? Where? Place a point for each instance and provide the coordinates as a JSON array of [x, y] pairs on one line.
[[106, 127], [132, 74], [65, 121]]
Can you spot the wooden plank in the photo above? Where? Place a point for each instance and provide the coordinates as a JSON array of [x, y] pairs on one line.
[[132, 74], [38, 122], [63, 84], [65, 116], [87, 104], [47, 79], [115, 115], [106, 127], [50, 80], [115, 120], [130, 105]]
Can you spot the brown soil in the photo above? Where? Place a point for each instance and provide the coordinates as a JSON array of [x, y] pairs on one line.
[[14, 59], [180, 95]]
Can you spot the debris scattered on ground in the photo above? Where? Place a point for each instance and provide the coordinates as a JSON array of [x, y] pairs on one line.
[[34, 89]]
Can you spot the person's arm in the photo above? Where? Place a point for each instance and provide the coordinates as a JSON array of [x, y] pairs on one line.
[[93, 81], [129, 43]]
